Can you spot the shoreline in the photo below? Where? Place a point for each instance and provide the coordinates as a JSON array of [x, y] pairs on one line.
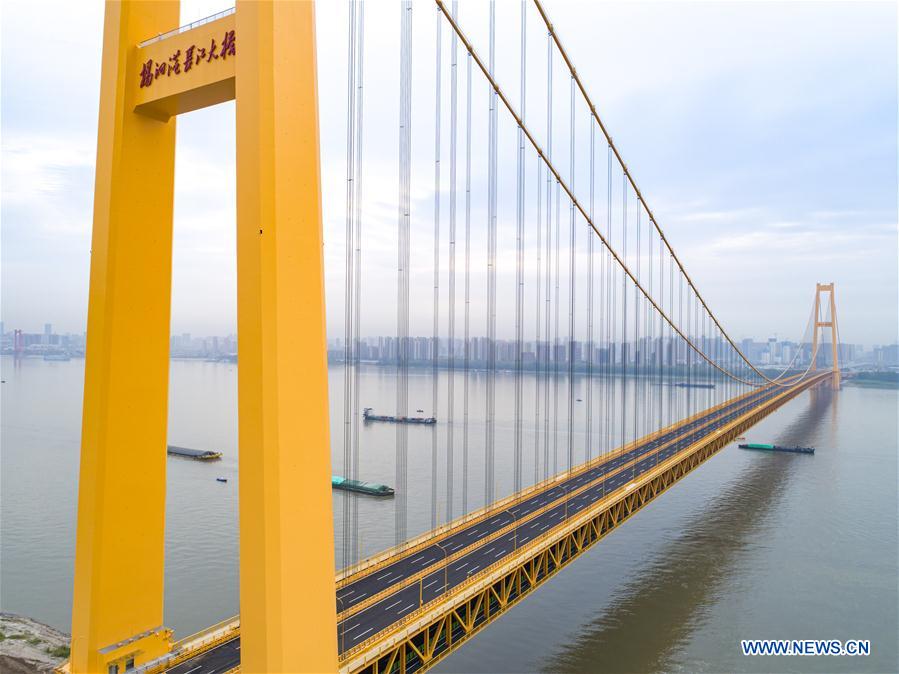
[[27, 645]]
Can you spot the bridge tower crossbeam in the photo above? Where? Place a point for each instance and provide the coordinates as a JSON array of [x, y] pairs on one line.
[[262, 55], [819, 322]]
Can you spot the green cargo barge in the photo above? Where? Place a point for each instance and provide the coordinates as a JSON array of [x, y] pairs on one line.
[[777, 448], [360, 487], [196, 454]]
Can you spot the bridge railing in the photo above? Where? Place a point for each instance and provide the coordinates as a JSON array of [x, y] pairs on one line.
[[535, 545], [193, 645], [458, 592], [345, 575], [187, 27]]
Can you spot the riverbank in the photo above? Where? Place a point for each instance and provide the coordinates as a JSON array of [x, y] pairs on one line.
[[27, 646]]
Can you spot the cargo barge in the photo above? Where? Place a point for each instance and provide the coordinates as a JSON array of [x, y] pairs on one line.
[[777, 448], [367, 415], [196, 454], [684, 384], [360, 487]]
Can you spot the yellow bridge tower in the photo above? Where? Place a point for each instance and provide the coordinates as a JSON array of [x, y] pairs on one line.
[[832, 324], [263, 55]]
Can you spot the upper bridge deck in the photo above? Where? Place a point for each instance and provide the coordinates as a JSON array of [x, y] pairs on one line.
[[391, 593]]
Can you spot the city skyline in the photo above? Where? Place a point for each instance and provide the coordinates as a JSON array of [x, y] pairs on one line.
[[770, 351]]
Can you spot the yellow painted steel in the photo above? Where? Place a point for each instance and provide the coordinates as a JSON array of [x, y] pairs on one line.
[[118, 584], [832, 324], [288, 616], [288, 613], [429, 634], [209, 79]]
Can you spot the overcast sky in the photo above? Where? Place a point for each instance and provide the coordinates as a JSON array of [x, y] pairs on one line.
[[763, 135]]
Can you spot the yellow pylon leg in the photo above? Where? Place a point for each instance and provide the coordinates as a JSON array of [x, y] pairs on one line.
[[287, 606], [118, 585], [832, 324]]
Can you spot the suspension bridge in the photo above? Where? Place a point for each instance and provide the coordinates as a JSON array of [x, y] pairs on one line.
[[547, 267]]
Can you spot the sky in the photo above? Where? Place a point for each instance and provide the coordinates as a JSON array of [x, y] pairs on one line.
[[762, 134]]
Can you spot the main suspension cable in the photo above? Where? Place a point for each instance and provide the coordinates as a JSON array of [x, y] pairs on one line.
[[561, 183], [555, 38]]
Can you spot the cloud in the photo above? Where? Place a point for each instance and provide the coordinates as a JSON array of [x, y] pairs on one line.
[[762, 134], [48, 177]]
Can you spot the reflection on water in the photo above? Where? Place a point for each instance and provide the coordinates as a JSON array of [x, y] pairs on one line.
[[751, 545], [657, 611]]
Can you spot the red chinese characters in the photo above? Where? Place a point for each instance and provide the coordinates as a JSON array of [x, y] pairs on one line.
[[193, 57]]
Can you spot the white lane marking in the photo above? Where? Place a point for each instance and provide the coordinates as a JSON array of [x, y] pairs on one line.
[[384, 575], [352, 628], [473, 569], [394, 604], [406, 609], [459, 568], [364, 594], [362, 634], [498, 555], [194, 669], [347, 594], [417, 559], [237, 648], [425, 587], [490, 548]]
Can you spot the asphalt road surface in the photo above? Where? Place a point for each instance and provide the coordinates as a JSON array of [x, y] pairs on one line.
[[395, 605]]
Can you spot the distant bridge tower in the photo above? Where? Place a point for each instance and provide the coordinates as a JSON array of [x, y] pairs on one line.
[[262, 55], [832, 324]]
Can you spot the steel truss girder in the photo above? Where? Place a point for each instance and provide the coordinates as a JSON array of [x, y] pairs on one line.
[[426, 646]]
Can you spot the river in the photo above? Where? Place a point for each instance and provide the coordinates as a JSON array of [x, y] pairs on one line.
[[751, 545]]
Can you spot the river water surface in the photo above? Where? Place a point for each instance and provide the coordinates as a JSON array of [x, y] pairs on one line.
[[751, 545]]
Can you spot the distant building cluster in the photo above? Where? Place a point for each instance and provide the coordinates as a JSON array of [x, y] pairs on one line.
[[47, 343], [384, 350], [643, 352], [52, 346], [214, 348]]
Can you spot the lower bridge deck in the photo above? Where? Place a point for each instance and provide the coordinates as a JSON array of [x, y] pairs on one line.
[[383, 606]]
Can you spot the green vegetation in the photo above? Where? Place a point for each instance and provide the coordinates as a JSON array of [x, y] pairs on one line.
[[874, 379], [18, 636], [2, 636], [34, 641], [58, 652]]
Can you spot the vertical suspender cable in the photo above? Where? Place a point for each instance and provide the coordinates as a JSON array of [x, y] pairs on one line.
[[403, 254], [489, 482], [451, 327], [625, 346], [571, 289], [550, 348], [591, 348], [680, 323], [637, 354], [611, 382], [348, 281], [661, 340], [557, 356], [357, 295], [519, 276], [435, 340], [467, 320], [537, 349]]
